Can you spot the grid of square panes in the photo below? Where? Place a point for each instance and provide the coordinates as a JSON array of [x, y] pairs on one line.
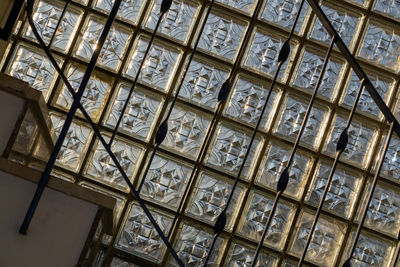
[[371, 30]]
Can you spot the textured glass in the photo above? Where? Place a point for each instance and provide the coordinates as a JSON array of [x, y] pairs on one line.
[[142, 109], [177, 22], [116, 262], [309, 72], [274, 163], [381, 46], [240, 256], [342, 191], [165, 182], [325, 243], [159, 66], [128, 10], [389, 7], [138, 236], [222, 36], [255, 216], [210, 197], [391, 165], [246, 6]]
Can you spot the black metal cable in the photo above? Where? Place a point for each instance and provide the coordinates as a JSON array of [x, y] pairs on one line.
[[97, 133], [340, 147], [370, 194], [58, 23], [283, 56]]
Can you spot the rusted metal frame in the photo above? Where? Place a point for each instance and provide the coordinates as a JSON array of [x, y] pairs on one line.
[[76, 104]]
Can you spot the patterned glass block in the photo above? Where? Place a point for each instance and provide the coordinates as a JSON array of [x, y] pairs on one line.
[[255, 216], [274, 163], [361, 139], [46, 17], [389, 7], [370, 251], [247, 101], [309, 72], [113, 49], [32, 67], [246, 6], [391, 165], [165, 182], [381, 46], [292, 116], [210, 197], [103, 169], [242, 256], [284, 12], [222, 36], [128, 10], [366, 103], [26, 134], [159, 67], [75, 144], [263, 55], [94, 97], [177, 22], [192, 246], [229, 148], [344, 23], [140, 114], [138, 236], [342, 191], [325, 243], [186, 131], [384, 210], [117, 262], [203, 82]]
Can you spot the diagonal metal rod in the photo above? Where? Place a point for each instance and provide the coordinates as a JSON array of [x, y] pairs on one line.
[[160, 18], [58, 23], [341, 146], [370, 195], [98, 134], [283, 56]]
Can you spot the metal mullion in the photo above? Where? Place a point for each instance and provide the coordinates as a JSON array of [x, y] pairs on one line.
[[370, 195]]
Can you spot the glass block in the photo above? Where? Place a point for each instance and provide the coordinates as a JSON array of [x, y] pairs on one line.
[[228, 150], [166, 181], [203, 82], [192, 246], [247, 101], [94, 97], [186, 131], [389, 7], [384, 209], [255, 216], [46, 17], [361, 139], [381, 46], [26, 134], [129, 10], [370, 251], [325, 242], [75, 144], [246, 6], [263, 54], [342, 192], [140, 114], [222, 36], [274, 163], [283, 13], [103, 169], [159, 67], [366, 103], [362, 3], [177, 22], [391, 164], [344, 22], [138, 236], [292, 117], [113, 49], [33, 67], [309, 71], [117, 262], [241, 256], [210, 197]]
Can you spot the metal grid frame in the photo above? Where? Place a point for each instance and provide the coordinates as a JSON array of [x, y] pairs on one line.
[[268, 135]]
